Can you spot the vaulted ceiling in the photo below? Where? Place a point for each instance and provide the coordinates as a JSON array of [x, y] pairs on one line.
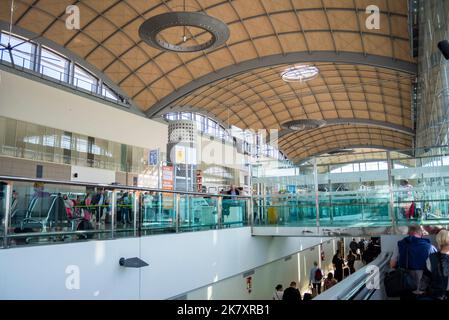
[[365, 75]]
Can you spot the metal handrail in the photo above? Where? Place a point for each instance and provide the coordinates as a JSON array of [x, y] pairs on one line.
[[362, 281], [113, 186]]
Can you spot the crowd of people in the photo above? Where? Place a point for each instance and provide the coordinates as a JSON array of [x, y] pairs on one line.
[[359, 254]]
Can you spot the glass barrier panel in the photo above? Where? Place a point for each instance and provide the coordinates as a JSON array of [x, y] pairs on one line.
[[96, 208], [48, 213], [198, 212], [126, 212], [158, 213], [233, 212]]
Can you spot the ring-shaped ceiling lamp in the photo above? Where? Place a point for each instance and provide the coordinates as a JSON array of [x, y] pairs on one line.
[[304, 124], [300, 73], [217, 31]]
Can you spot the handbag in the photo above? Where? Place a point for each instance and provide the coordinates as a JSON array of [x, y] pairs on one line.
[[399, 281]]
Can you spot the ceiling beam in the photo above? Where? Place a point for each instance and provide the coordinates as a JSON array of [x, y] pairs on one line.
[[300, 161], [355, 121], [278, 59]]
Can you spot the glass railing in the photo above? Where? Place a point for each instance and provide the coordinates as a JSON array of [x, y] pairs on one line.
[[37, 211], [411, 187]]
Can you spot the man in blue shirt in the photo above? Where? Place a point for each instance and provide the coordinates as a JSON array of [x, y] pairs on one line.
[[412, 253]]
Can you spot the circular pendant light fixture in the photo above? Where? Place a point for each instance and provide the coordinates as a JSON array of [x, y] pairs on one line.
[[300, 73], [304, 124], [184, 32]]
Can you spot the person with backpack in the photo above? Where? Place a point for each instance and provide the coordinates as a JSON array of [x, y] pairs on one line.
[[411, 253], [316, 275], [438, 265]]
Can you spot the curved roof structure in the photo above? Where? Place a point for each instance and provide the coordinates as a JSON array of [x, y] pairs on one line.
[[365, 74]]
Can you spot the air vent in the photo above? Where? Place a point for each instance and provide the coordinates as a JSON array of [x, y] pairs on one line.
[[304, 124]]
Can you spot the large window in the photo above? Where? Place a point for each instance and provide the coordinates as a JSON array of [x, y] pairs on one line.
[[53, 65], [22, 54], [85, 80], [109, 93]]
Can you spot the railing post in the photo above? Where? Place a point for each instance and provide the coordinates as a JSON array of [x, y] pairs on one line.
[[113, 211], [177, 207], [250, 212], [136, 210], [220, 212], [315, 181], [390, 189], [8, 196]]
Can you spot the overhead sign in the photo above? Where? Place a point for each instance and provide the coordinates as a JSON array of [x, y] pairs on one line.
[[180, 154], [167, 184], [167, 178], [153, 157]]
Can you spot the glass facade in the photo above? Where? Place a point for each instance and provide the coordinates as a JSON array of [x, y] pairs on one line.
[[30, 141], [247, 141], [433, 83]]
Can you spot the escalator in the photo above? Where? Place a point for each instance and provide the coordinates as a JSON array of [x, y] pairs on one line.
[[365, 284]]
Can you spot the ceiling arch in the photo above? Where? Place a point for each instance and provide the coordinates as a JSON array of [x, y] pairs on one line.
[[300, 146], [366, 76], [260, 99], [109, 36]]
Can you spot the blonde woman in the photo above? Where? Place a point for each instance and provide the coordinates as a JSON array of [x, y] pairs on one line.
[[438, 264]]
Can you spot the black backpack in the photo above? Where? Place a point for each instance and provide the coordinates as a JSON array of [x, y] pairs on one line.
[[85, 225]]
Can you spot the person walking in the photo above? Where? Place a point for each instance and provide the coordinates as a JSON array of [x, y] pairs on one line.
[[315, 277], [330, 281], [338, 264], [292, 293], [278, 292], [351, 261], [353, 246]]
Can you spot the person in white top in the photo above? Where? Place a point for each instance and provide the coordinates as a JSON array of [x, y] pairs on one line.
[[278, 293]]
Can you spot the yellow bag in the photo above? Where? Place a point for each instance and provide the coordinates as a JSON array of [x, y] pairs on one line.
[[272, 215]]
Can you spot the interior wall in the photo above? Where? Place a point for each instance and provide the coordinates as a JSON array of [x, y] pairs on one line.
[[93, 175], [39, 103], [178, 263], [264, 279], [28, 168]]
